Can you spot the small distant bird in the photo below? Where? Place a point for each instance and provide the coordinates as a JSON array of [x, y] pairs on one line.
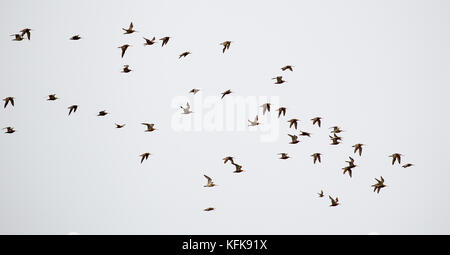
[[150, 127], [9, 130], [253, 123], [7, 100], [379, 185], [288, 67], [266, 107], [293, 122], [75, 38], [130, 29], [316, 156], [226, 45], [210, 182], [320, 193], [72, 108], [279, 80], [164, 40], [119, 126], [317, 120], [184, 54], [102, 113], [26, 31], [334, 202], [303, 133], [281, 110], [226, 93], [336, 130], [52, 97], [335, 139], [17, 37], [144, 156], [148, 41], [407, 165], [294, 139], [348, 169], [283, 155], [358, 147], [238, 168], [351, 163], [209, 209], [124, 48], [186, 110], [228, 158], [126, 69], [396, 156], [194, 91]]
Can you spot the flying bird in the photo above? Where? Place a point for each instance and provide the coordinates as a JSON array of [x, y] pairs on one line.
[[72, 108], [396, 156], [334, 202], [150, 127], [407, 165], [304, 133], [281, 110], [226, 45], [209, 209], [279, 80], [351, 163], [124, 48], [228, 158], [52, 97], [379, 185], [102, 113], [8, 100], [186, 110], [293, 122], [317, 120], [238, 168], [294, 139], [119, 126], [358, 148], [184, 54], [316, 156], [320, 193], [144, 156], [336, 130], [349, 170], [266, 107], [288, 67], [164, 40], [9, 130], [148, 41], [210, 182], [253, 123], [75, 38], [130, 29], [26, 31], [226, 93], [283, 155], [126, 69], [194, 91]]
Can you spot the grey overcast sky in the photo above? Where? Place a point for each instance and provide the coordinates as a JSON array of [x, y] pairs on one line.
[[379, 69]]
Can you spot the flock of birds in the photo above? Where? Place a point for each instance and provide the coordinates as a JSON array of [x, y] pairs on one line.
[[293, 123]]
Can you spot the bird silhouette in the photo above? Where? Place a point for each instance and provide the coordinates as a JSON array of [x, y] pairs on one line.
[[72, 108], [253, 123], [150, 127], [26, 31], [228, 158], [186, 110], [379, 185], [149, 42], [209, 209], [226, 45], [184, 54], [119, 126], [8, 100], [266, 107], [210, 183], [407, 165], [126, 69], [320, 193], [226, 93], [396, 157], [317, 120], [358, 148], [52, 97], [102, 113], [294, 139], [164, 40], [279, 80], [281, 110], [124, 48], [17, 37], [75, 38], [129, 30], [144, 156], [336, 130], [194, 91], [316, 157], [288, 67], [334, 202], [293, 122], [238, 168], [283, 155], [9, 130], [304, 133]]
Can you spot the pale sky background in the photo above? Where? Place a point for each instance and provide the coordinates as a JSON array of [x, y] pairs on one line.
[[378, 69]]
